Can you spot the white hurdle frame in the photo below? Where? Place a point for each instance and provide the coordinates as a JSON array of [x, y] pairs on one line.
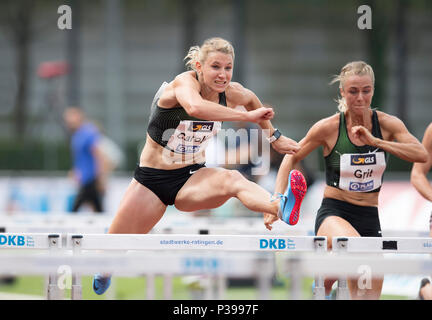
[[77, 243], [376, 245], [50, 242], [242, 243], [350, 251]]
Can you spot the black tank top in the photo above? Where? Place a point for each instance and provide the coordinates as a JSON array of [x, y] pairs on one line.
[[345, 146], [163, 122]]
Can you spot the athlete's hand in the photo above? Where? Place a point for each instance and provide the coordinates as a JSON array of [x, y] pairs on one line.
[[285, 145], [260, 114], [269, 219], [362, 135]]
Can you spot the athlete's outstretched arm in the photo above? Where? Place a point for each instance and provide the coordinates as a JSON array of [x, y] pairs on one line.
[[251, 102], [310, 142], [402, 143], [187, 93], [313, 139]]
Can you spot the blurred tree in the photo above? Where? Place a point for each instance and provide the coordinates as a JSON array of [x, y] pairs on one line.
[[17, 17], [239, 39], [377, 40], [73, 52], [189, 12], [402, 60]]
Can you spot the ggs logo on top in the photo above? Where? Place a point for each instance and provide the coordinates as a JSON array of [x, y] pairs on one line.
[[11, 240], [361, 160]]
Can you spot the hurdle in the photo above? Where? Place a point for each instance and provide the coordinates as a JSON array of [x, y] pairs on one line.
[[79, 245], [345, 265], [63, 222], [180, 242], [58, 222], [48, 242], [216, 256], [376, 245]]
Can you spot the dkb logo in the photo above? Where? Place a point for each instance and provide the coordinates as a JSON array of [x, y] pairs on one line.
[[277, 244], [12, 241]]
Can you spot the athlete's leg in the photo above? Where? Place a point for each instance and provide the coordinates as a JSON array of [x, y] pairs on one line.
[[139, 210], [334, 226], [209, 188], [425, 292]]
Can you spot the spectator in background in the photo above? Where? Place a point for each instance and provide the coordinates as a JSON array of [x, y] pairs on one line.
[[420, 181], [90, 164]]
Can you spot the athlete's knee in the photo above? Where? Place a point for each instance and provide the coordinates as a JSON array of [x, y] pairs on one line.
[[232, 181]]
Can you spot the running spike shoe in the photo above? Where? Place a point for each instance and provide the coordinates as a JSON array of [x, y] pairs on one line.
[[290, 202], [101, 284]]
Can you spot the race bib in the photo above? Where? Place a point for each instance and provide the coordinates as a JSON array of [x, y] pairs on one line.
[[361, 172], [191, 137]]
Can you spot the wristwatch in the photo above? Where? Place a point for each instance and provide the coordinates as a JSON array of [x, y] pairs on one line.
[[276, 135]]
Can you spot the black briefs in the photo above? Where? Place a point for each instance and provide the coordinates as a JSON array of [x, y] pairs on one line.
[[165, 183], [364, 219]]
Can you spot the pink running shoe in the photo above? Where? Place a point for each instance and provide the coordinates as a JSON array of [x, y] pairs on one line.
[[290, 202]]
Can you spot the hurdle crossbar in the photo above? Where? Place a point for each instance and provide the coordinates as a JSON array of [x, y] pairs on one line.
[[382, 244], [355, 264], [193, 242], [226, 263], [43, 241], [137, 263], [377, 245]]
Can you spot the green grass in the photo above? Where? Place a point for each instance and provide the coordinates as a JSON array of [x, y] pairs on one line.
[[126, 288], [32, 285]]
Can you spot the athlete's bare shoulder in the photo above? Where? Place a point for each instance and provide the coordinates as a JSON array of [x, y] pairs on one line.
[[390, 125], [237, 94], [187, 76], [386, 119], [324, 132], [327, 125]]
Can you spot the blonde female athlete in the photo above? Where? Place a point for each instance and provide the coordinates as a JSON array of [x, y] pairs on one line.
[[185, 114], [355, 143], [420, 181], [420, 170]]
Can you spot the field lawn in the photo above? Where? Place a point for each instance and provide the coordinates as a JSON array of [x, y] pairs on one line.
[[124, 288]]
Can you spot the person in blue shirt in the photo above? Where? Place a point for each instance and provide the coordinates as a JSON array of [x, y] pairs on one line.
[[88, 160]]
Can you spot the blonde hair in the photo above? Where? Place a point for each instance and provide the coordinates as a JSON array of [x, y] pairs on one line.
[[199, 54], [359, 68]]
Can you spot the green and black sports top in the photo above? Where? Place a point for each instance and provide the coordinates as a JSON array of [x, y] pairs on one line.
[[355, 168], [179, 132]]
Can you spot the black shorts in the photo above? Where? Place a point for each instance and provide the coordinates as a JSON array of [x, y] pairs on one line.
[[364, 219], [165, 183]]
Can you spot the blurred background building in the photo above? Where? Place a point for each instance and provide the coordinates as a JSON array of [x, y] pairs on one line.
[[118, 52]]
